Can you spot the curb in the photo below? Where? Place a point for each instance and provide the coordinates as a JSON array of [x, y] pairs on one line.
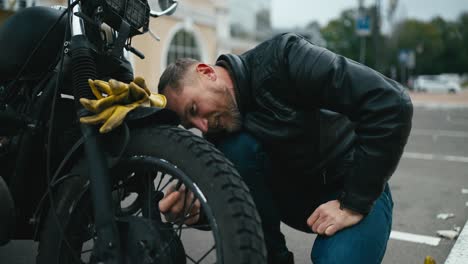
[[459, 252]]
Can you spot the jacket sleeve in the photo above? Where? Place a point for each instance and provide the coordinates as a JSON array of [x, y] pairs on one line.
[[380, 108]]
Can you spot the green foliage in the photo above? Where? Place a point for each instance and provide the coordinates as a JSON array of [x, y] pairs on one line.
[[440, 46], [465, 85], [340, 35]]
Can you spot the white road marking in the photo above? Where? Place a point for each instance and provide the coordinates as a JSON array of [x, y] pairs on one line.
[[428, 240], [459, 252], [437, 105], [439, 133], [428, 156]]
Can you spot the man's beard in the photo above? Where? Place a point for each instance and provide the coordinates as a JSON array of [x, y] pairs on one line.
[[229, 120], [235, 119]]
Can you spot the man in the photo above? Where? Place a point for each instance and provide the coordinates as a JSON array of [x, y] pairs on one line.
[[315, 136]]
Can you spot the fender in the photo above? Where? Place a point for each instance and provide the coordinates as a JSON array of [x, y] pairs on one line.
[[144, 115], [138, 118]]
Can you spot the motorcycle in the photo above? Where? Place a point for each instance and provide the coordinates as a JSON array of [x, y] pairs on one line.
[[88, 197]]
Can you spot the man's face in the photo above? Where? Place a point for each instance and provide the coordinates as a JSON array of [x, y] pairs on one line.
[[206, 105]]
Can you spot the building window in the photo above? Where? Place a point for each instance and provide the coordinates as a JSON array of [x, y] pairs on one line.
[[183, 45]]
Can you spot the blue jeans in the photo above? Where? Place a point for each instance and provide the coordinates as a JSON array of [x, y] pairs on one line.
[[276, 201]]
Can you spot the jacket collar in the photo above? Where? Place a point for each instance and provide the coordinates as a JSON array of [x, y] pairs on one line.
[[239, 73]]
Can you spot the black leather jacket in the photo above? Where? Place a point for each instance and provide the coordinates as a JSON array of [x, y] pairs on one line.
[[298, 99]]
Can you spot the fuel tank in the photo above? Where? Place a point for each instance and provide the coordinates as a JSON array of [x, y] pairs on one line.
[[22, 33]]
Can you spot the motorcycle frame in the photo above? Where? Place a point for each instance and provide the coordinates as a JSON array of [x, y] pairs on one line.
[[107, 247]]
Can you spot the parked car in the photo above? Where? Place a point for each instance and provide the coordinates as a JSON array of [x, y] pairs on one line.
[[432, 83]]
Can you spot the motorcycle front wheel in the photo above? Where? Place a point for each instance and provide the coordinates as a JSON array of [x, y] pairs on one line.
[[158, 158]]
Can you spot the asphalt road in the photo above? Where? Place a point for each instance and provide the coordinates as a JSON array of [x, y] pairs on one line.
[[424, 187], [427, 182]]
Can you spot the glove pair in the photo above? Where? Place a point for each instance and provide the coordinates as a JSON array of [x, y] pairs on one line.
[[116, 99]]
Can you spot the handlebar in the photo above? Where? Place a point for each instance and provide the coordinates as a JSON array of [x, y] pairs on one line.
[[128, 17], [168, 11]]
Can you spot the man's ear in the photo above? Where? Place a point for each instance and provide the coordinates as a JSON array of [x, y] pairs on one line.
[[207, 71]]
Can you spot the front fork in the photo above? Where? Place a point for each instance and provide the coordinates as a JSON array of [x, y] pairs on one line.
[[107, 243]]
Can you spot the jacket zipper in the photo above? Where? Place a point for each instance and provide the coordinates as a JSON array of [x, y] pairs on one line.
[[324, 175]]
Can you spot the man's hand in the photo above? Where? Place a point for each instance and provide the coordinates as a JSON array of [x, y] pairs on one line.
[[174, 209], [328, 218]]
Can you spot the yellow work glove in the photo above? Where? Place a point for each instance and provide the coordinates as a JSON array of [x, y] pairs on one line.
[[116, 99], [429, 260]]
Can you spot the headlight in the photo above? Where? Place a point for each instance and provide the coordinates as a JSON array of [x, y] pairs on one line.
[[135, 12]]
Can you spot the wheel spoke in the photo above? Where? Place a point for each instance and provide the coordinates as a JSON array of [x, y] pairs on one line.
[[160, 181], [192, 203], [149, 195], [167, 183], [181, 220], [179, 231], [206, 254], [86, 251], [183, 210], [191, 259]]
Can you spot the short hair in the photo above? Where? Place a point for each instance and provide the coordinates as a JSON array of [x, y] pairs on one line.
[[174, 74]]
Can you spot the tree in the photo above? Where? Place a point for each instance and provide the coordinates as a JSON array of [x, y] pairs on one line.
[[440, 46], [462, 34], [340, 35], [424, 38], [449, 59]]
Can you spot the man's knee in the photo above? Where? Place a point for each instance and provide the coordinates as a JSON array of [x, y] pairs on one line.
[[365, 242], [354, 251]]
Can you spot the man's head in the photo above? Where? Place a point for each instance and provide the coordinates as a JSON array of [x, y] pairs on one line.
[[202, 95]]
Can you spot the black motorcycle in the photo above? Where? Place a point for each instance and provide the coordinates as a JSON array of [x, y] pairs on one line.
[[88, 197]]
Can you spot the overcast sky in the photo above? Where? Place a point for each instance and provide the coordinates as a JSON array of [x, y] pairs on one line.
[[290, 13]]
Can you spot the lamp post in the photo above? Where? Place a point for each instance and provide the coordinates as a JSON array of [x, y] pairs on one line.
[[376, 32], [362, 30]]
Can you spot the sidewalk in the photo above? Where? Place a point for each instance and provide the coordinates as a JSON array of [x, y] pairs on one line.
[[443, 100]]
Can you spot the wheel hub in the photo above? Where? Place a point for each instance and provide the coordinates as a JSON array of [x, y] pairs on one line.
[[149, 241]]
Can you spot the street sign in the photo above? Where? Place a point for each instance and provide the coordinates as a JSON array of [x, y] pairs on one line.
[[403, 56], [407, 57], [363, 25]]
